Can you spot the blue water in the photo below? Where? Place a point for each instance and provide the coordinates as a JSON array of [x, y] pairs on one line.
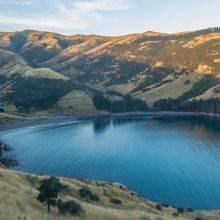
[[171, 160]]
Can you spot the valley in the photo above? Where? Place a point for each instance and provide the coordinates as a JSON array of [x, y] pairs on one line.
[[52, 74]]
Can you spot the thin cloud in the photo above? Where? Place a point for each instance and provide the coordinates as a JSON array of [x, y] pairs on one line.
[[61, 15], [21, 2], [103, 5]]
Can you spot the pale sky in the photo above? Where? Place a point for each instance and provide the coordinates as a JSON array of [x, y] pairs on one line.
[[109, 17]]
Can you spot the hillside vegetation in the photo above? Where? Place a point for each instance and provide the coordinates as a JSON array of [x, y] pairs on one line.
[[149, 66], [113, 201]]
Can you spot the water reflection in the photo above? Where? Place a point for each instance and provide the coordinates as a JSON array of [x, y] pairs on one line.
[[99, 125], [203, 122], [169, 160], [125, 120]]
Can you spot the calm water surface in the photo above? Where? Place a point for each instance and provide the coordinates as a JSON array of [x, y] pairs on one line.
[[171, 160]]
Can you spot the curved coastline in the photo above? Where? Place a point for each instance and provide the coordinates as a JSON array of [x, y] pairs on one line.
[[31, 121], [41, 121]]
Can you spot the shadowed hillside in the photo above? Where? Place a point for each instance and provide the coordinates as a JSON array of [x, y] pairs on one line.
[[148, 66]]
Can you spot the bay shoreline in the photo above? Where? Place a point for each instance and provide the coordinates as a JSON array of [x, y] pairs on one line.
[[31, 121]]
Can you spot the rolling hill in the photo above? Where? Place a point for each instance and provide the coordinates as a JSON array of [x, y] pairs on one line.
[[149, 66], [19, 193]]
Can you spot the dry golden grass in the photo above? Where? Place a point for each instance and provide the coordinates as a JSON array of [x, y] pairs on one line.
[[172, 89], [18, 201], [76, 103], [124, 88], [44, 73], [201, 40]]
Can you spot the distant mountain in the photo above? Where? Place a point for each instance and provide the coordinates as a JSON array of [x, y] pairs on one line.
[[148, 66]]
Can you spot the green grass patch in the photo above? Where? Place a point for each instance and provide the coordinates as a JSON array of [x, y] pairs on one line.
[[200, 87]]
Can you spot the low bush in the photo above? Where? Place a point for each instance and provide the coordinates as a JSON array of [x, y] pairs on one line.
[[70, 207], [86, 193], [116, 201], [190, 210], [95, 198], [180, 210], [158, 207], [175, 214]]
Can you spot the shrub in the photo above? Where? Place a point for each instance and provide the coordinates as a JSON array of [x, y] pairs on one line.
[[116, 201], [190, 210], [71, 207], [85, 192], [175, 214], [180, 210], [95, 198], [158, 207]]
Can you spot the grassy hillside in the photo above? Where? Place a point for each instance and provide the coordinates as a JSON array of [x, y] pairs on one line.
[[76, 103], [31, 88], [19, 193], [149, 66]]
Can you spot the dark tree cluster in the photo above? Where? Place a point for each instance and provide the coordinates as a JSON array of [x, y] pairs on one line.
[[33, 93], [126, 69], [6, 160], [126, 104], [208, 106], [154, 75], [199, 87], [49, 190]]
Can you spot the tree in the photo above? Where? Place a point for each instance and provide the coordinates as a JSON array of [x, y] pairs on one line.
[[5, 160], [49, 189], [125, 103]]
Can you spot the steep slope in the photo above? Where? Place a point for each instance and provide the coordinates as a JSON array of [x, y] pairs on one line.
[[149, 66], [19, 192], [14, 65], [30, 88], [213, 92]]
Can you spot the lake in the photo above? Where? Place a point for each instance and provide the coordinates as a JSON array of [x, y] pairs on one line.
[[171, 160]]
